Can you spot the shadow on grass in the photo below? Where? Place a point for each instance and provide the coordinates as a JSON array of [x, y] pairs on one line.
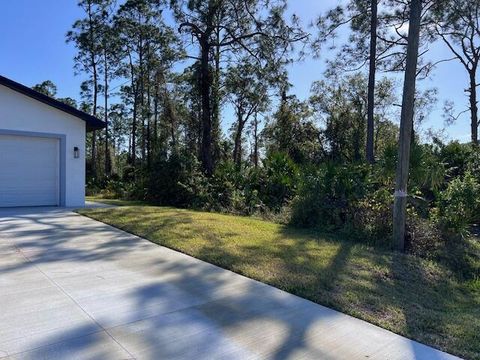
[[394, 291], [217, 305], [169, 305], [434, 306]]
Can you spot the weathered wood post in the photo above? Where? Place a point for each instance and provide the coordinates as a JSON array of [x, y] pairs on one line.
[[406, 121]]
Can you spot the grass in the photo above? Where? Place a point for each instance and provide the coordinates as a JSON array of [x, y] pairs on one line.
[[416, 298]]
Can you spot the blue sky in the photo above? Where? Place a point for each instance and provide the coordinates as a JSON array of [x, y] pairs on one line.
[[33, 49]]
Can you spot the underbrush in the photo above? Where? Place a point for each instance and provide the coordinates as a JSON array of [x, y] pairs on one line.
[[354, 200]]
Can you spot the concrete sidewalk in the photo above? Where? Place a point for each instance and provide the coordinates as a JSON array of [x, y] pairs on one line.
[[74, 288]]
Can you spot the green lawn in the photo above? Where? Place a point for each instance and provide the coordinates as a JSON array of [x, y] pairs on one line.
[[410, 296]]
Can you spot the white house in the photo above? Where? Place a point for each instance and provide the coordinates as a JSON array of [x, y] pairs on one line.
[[42, 148]]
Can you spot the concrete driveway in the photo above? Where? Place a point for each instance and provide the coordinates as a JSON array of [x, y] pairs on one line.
[[71, 287]]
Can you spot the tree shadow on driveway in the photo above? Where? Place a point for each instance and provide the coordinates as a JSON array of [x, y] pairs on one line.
[[150, 302]]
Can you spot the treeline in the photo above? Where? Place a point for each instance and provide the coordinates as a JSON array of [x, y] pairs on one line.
[[168, 78]]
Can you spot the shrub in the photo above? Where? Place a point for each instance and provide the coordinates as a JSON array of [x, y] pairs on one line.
[[92, 189], [253, 188], [176, 181], [427, 171], [280, 179], [114, 189], [459, 204], [224, 189], [239, 190], [387, 164], [327, 195], [372, 217], [457, 157]]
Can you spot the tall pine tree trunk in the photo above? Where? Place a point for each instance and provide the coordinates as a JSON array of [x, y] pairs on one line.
[[134, 89], [371, 84], [216, 98], [205, 88], [149, 132], [93, 64], [133, 155], [406, 121], [142, 101], [94, 113], [473, 107], [94, 132], [255, 141], [237, 149], [155, 117], [105, 85], [134, 134]]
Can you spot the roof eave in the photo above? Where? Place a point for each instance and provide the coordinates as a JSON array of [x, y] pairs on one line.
[[92, 122]]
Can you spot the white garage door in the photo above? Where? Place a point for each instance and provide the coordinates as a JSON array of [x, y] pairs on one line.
[[29, 171]]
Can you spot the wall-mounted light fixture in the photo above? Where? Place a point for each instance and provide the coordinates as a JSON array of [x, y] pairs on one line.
[[76, 152]]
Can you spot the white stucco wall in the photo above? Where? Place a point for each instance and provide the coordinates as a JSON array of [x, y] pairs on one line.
[[19, 112]]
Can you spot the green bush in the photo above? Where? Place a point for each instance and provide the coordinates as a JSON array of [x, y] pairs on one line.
[[386, 166], [114, 189], [459, 204], [225, 189], [261, 190], [280, 180], [177, 181], [427, 170], [92, 189], [372, 218], [328, 195], [457, 157], [253, 188]]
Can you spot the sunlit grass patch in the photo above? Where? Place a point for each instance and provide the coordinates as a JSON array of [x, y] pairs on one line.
[[416, 298]]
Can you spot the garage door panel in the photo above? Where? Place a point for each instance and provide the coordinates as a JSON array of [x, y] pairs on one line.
[[29, 171]]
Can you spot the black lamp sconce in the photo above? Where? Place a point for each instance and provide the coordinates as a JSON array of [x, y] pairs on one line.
[[76, 152]]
